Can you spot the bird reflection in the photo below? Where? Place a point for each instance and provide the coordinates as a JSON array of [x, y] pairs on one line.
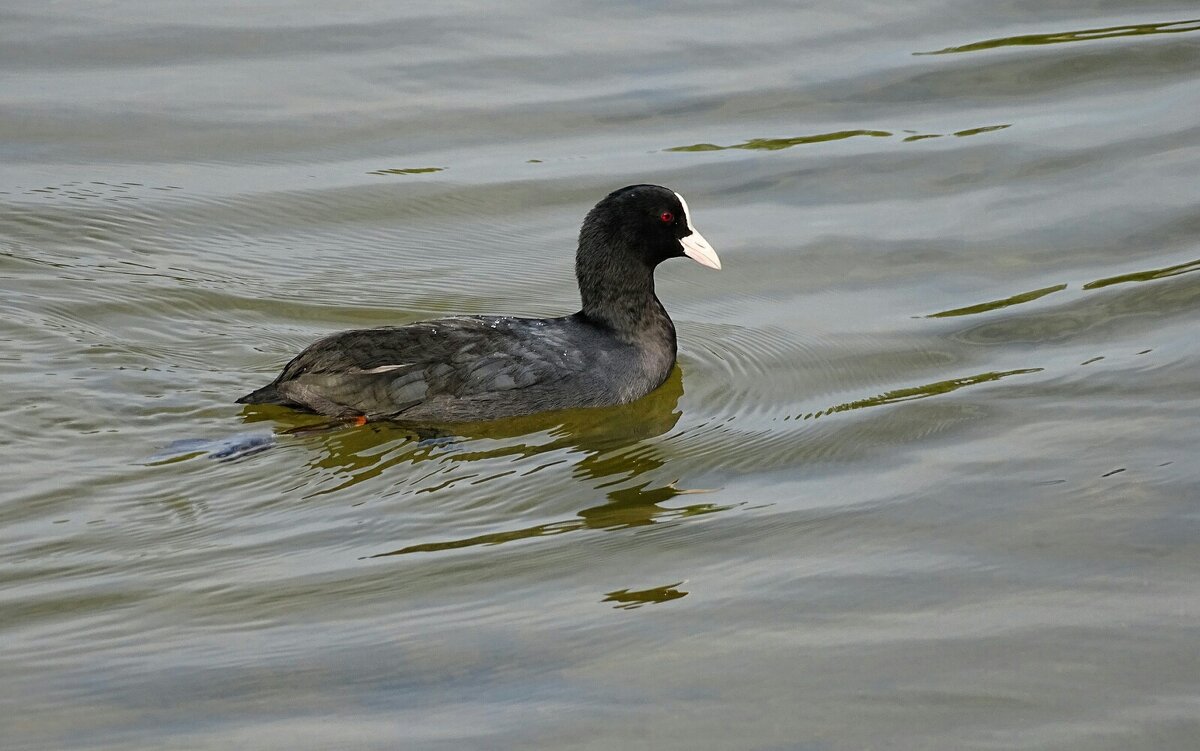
[[599, 433], [609, 439], [626, 508], [627, 599]]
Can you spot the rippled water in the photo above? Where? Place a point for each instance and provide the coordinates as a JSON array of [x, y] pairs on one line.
[[923, 478]]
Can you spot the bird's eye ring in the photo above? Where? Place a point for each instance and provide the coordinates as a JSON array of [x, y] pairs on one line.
[[667, 217]]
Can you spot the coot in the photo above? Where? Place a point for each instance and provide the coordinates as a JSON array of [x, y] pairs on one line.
[[618, 348]]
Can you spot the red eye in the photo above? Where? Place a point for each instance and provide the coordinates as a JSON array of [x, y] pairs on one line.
[[667, 217]]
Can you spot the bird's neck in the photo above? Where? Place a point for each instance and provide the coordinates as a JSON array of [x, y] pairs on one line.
[[622, 299]]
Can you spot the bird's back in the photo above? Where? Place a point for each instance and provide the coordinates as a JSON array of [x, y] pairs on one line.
[[459, 369]]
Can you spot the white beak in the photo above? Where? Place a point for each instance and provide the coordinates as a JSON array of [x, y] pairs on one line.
[[694, 245], [697, 248]]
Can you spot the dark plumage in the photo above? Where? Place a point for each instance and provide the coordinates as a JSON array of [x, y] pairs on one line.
[[618, 348]]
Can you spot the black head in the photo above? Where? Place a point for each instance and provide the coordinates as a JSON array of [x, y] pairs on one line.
[[646, 223]]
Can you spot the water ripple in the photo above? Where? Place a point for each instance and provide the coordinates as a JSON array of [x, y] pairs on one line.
[[778, 144], [1083, 35], [1006, 302]]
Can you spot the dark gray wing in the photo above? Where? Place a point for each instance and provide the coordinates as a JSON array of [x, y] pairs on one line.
[[445, 369]]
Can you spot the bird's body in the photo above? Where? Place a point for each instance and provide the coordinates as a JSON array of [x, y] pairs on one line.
[[469, 368], [618, 348]]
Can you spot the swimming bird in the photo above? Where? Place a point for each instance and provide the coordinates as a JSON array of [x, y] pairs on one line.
[[619, 347]]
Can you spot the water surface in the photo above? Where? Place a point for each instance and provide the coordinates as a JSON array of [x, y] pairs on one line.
[[923, 477]]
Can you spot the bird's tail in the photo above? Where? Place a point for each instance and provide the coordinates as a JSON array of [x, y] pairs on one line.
[[268, 394]]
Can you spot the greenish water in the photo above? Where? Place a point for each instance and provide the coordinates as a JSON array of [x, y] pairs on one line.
[[923, 478]]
